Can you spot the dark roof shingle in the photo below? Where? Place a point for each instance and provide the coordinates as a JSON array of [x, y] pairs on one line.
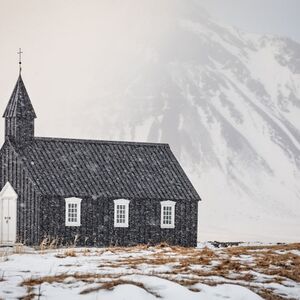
[[70, 167]]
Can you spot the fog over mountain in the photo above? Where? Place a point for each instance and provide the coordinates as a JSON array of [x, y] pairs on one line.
[[227, 101]]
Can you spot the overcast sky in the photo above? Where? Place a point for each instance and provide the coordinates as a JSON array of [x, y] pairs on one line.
[[75, 49], [263, 16]]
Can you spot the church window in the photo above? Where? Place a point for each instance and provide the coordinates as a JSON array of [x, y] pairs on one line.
[[73, 210], [167, 214], [121, 214]]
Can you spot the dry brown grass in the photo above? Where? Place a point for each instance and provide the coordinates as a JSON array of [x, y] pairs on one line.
[[134, 262], [272, 263], [116, 249], [49, 279], [189, 266], [19, 248], [183, 257], [193, 289], [70, 252], [30, 295], [186, 282], [180, 256], [277, 247], [86, 277], [89, 278], [274, 260], [110, 285], [280, 247], [48, 243], [228, 265], [86, 252], [269, 294], [247, 277]]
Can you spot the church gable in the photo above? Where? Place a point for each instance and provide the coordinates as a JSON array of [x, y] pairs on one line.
[[13, 167], [14, 171]]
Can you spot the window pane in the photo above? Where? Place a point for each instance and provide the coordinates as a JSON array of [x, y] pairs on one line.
[[72, 212], [121, 214], [167, 215]]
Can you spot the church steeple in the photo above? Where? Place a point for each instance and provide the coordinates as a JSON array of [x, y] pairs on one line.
[[19, 115]]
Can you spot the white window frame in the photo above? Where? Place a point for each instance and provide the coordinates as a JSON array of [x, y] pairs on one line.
[[171, 204], [124, 202], [77, 201]]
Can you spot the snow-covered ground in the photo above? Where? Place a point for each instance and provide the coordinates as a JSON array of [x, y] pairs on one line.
[[243, 272]]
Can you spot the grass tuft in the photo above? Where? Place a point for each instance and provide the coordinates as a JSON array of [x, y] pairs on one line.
[[110, 285]]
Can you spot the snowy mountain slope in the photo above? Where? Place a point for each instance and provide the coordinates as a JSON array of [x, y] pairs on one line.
[[229, 104]]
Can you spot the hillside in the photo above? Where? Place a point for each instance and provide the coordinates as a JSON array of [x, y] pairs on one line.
[[228, 102]]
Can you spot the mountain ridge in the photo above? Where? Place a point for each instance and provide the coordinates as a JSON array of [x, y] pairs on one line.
[[228, 102]]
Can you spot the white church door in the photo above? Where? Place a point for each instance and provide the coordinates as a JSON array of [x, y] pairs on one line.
[[8, 214]]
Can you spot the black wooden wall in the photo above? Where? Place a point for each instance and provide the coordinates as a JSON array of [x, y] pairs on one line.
[[97, 223], [12, 170], [19, 129]]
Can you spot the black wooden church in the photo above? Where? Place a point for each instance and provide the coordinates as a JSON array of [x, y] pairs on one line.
[[97, 193]]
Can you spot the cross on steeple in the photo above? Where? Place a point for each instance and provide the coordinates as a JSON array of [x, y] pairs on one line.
[[20, 59]]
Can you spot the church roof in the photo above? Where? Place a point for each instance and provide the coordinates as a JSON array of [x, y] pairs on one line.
[[70, 167], [19, 104]]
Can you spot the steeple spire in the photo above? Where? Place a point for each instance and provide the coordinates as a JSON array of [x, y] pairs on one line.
[[19, 115], [19, 104]]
